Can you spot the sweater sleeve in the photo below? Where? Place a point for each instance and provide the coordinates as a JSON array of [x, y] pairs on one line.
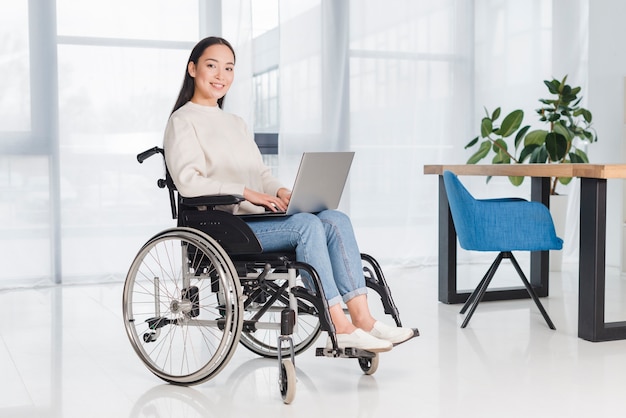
[[186, 162]]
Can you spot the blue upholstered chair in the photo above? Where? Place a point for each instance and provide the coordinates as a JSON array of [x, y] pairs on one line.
[[502, 225]]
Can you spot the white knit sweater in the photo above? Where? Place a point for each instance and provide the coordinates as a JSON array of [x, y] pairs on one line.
[[209, 151]]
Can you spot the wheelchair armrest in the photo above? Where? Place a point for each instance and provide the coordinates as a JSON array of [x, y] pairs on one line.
[[149, 153], [211, 200], [228, 230]]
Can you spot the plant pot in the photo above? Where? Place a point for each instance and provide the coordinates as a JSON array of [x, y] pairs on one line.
[[558, 210]]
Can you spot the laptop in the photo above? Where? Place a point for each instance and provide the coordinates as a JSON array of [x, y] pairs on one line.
[[319, 183]]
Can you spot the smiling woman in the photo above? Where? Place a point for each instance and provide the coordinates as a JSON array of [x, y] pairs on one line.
[[209, 73], [213, 74], [211, 152]]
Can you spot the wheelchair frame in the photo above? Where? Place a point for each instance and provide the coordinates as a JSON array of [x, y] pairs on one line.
[[195, 291]]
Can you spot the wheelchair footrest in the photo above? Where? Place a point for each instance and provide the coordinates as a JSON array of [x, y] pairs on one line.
[[347, 352]]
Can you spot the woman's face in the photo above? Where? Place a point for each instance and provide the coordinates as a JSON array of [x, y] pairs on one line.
[[213, 74]]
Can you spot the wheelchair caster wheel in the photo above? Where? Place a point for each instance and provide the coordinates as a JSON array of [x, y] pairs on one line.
[[149, 337], [287, 381], [369, 365]]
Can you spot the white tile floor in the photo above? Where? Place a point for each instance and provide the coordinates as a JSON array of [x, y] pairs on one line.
[[64, 353]]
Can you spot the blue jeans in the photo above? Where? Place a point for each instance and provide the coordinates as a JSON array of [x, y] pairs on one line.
[[325, 241]]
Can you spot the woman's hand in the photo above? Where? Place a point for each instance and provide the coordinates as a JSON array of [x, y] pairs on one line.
[[273, 203], [284, 195]]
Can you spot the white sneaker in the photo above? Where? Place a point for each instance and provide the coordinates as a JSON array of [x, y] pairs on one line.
[[394, 335], [362, 340]]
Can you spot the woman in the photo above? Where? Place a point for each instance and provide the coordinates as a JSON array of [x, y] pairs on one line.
[[209, 151]]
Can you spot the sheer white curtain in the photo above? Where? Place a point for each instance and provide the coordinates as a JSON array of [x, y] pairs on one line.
[[89, 91], [387, 83], [402, 84], [410, 78], [406, 85]]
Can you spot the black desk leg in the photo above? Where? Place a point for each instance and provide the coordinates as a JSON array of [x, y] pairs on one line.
[[540, 260], [447, 251], [592, 261]]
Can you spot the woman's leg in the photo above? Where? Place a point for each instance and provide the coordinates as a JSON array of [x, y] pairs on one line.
[[327, 243], [342, 323], [345, 257], [360, 313], [305, 234], [347, 268]]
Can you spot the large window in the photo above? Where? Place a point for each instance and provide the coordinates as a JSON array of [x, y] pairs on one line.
[[118, 81], [15, 117], [266, 101], [86, 86]]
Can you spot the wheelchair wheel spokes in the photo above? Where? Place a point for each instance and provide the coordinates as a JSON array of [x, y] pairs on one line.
[[182, 306], [264, 341]]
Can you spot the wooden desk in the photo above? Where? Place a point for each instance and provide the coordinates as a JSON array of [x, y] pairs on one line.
[[592, 256]]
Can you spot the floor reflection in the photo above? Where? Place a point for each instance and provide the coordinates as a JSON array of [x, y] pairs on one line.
[[64, 353]]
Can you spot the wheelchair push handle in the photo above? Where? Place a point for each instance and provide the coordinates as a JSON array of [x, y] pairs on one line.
[[149, 153]]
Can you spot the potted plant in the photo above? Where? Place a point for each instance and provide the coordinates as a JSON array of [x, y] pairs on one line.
[[568, 127]]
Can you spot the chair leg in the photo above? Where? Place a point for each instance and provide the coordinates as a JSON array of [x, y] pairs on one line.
[[482, 288], [531, 291], [472, 296]]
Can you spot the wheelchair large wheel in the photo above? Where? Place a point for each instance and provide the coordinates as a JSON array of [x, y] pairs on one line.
[[264, 341], [182, 306]]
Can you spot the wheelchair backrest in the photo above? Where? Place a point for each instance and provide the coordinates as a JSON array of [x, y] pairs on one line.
[[228, 230]]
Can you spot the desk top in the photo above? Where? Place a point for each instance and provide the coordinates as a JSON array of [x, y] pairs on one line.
[[598, 171]]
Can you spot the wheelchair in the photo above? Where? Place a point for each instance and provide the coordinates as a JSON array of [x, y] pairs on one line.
[[196, 291]]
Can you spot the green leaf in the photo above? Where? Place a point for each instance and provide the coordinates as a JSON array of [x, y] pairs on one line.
[[559, 128], [520, 135], [511, 123], [486, 127], [499, 145], [539, 155], [565, 180], [482, 152], [556, 145], [590, 136], [553, 86], [496, 114], [577, 102], [579, 156], [501, 158], [516, 180], [537, 137], [567, 91], [527, 152], [471, 143], [500, 149]]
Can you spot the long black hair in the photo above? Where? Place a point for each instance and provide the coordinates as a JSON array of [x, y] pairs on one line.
[[188, 87]]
